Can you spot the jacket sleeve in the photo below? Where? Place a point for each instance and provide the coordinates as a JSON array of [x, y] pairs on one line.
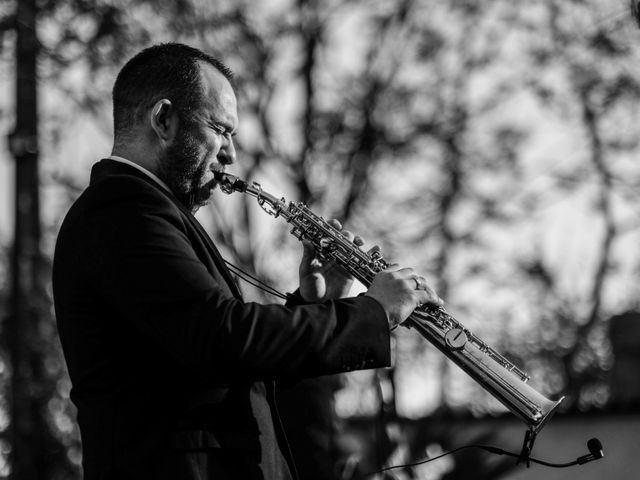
[[139, 257]]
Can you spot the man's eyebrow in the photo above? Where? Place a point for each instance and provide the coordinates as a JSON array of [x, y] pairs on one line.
[[226, 126]]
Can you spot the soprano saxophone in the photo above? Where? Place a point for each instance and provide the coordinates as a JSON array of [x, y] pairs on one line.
[[492, 371]]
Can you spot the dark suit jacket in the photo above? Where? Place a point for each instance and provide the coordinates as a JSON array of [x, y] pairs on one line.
[[172, 372]]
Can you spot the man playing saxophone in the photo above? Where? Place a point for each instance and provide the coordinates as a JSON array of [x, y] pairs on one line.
[[173, 373]]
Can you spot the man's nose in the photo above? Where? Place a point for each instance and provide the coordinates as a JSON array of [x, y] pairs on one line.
[[227, 154]]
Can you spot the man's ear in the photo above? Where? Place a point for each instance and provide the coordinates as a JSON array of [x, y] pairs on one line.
[[163, 120]]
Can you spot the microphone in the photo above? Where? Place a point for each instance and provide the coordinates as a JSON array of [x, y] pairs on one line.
[[595, 447]]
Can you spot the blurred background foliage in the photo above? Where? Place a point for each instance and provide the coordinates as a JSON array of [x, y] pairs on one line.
[[492, 146]]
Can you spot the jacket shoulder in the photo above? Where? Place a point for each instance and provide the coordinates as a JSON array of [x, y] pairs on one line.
[[114, 187], [128, 192]]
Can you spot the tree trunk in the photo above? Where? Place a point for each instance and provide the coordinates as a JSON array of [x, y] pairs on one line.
[[28, 427]]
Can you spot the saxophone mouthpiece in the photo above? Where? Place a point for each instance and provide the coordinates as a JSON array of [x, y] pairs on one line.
[[229, 183]]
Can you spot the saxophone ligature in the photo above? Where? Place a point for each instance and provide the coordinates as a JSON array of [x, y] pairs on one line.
[[493, 372]]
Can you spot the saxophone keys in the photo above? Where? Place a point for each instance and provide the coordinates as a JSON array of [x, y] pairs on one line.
[[456, 338]]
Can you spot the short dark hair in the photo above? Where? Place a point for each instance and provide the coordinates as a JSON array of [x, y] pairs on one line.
[[167, 70]]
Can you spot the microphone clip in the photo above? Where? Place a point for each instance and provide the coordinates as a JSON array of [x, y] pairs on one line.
[[527, 447]]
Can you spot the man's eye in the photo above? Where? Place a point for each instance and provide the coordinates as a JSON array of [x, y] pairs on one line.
[[222, 131]]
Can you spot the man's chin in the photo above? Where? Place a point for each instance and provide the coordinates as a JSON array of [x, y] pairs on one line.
[[202, 197]]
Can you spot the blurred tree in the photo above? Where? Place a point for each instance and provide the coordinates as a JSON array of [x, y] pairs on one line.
[[599, 91], [34, 450]]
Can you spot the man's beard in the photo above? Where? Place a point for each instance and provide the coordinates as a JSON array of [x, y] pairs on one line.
[[181, 167]]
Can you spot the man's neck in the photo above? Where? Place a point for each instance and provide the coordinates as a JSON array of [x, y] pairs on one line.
[[141, 155]]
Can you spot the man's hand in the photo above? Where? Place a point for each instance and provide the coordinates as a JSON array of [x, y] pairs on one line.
[[320, 279], [400, 291]]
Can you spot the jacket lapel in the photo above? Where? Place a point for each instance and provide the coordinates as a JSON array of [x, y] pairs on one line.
[[215, 253], [108, 167]]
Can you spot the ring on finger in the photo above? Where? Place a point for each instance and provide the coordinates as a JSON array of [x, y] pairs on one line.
[[418, 281]]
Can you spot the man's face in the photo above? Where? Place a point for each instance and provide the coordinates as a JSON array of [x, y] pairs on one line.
[[203, 144]]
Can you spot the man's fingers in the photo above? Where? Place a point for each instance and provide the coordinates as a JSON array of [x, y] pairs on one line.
[[308, 250], [420, 281], [349, 236], [357, 239], [335, 224], [392, 267], [374, 249], [425, 291], [406, 272], [428, 295]]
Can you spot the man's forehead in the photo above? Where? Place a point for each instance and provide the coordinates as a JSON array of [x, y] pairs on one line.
[[214, 82], [217, 91]]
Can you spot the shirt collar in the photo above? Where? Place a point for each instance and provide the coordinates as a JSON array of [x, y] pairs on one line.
[[142, 169]]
